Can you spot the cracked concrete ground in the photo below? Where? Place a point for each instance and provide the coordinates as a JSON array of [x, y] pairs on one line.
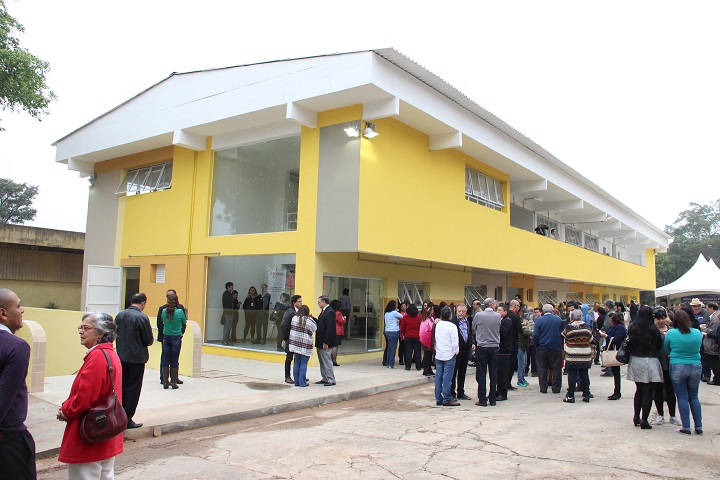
[[402, 434]]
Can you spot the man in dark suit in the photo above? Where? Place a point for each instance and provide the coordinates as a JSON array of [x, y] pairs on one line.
[[133, 339], [466, 345], [325, 340]]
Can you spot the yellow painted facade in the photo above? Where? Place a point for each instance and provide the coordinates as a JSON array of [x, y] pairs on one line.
[[411, 206]]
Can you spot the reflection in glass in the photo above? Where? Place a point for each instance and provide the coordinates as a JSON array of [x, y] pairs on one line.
[[277, 272], [256, 188]]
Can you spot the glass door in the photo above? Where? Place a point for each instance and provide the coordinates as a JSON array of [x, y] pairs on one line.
[[363, 330]]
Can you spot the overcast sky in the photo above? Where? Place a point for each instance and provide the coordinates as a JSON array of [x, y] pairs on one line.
[[626, 92]]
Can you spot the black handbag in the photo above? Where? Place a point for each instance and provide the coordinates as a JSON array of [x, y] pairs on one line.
[[623, 353], [105, 420]]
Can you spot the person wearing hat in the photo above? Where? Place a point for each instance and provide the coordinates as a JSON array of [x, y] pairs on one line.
[[702, 317]]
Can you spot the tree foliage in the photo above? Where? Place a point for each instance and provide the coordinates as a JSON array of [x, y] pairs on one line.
[[695, 231], [16, 202], [22, 74]]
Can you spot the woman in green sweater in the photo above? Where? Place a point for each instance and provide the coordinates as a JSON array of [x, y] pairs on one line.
[[683, 345], [174, 326]]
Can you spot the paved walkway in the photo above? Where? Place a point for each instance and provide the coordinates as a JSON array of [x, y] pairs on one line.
[[228, 390]]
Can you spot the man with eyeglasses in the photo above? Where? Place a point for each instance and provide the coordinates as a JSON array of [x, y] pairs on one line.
[[17, 447], [134, 336]]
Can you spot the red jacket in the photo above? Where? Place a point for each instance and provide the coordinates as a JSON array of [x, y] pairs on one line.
[[410, 326], [91, 384], [339, 322]]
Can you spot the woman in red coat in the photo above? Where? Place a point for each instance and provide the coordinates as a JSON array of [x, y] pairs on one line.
[[92, 384]]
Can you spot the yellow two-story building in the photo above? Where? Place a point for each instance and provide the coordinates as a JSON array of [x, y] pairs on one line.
[[360, 171]]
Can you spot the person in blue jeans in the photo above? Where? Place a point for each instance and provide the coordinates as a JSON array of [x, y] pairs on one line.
[[174, 321], [447, 346], [683, 345], [392, 332]]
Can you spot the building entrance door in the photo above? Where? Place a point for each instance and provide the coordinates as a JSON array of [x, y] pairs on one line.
[[363, 329]]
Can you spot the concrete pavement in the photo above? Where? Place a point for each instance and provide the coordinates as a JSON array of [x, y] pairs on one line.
[[228, 390]]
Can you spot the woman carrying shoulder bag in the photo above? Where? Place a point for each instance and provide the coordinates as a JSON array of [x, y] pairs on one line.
[[91, 386]]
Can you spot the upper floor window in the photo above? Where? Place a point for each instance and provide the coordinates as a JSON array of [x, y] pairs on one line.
[[256, 188], [146, 180], [484, 190]]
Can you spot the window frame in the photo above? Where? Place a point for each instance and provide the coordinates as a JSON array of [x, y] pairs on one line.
[[484, 189], [140, 187]]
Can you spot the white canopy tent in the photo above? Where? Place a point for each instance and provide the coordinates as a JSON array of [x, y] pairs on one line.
[[703, 277]]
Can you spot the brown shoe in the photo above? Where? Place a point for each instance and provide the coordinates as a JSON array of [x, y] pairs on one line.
[[289, 380], [452, 403], [481, 404]]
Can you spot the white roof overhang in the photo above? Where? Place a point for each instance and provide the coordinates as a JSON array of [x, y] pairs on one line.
[[234, 105]]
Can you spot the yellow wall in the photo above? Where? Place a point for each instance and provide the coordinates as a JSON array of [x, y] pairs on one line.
[[400, 174], [64, 352]]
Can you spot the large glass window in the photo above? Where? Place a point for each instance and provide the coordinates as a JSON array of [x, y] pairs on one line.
[[256, 188], [254, 320]]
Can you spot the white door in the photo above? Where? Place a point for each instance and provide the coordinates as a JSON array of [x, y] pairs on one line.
[[104, 289]]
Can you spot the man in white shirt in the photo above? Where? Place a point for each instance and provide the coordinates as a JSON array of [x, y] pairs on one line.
[[447, 346]]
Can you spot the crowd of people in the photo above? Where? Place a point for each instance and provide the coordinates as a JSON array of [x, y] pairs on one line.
[[670, 351]]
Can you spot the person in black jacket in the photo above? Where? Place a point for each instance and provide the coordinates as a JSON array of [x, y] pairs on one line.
[[325, 340], [644, 344], [252, 306], [465, 339], [227, 316], [296, 302], [506, 334], [134, 336]]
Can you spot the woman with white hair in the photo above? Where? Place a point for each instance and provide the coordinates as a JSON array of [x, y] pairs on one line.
[[91, 385]]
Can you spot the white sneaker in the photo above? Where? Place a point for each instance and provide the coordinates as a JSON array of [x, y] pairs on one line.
[[659, 420], [675, 421]]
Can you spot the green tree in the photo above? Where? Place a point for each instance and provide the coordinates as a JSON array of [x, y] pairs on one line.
[[16, 201], [22, 74], [695, 231]]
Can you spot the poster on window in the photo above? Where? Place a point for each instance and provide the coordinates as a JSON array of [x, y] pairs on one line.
[[275, 281]]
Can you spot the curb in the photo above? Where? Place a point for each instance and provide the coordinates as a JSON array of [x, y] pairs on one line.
[[175, 427]]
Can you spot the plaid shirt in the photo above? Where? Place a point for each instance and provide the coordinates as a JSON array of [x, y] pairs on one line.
[[301, 337]]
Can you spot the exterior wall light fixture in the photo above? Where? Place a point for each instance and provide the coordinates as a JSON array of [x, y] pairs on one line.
[[352, 131], [370, 130]]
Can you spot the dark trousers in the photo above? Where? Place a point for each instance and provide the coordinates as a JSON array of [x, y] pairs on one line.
[[705, 363], [513, 362], [714, 364], [17, 455], [401, 351], [503, 381], [412, 353], [288, 362], [458, 381], [573, 374], [427, 361], [262, 326], [616, 377], [664, 392], [643, 399], [132, 378], [533, 362], [549, 360], [487, 362], [385, 350], [250, 320]]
